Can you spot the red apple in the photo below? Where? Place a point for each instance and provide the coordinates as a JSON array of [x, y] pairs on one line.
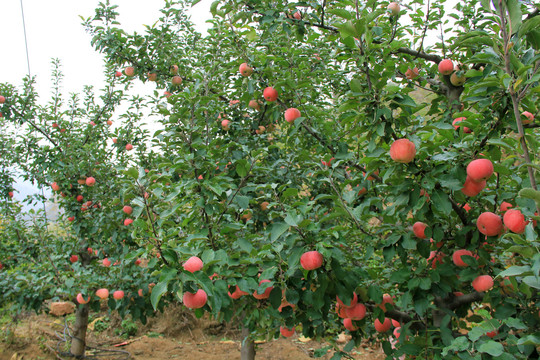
[[129, 71], [349, 325], [55, 186], [2, 99], [80, 299], [482, 283], [480, 170], [245, 69], [311, 260], [492, 334], [129, 147], [489, 224], [327, 163], [225, 124], [266, 293], [195, 301], [456, 126], [292, 114], [393, 8], [71, 218], [237, 293], [446, 67], [10, 194], [54, 125], [74, 258], [472, 188], [384, 326], [515, 221], [270, 94], [387, 299], [505, 206], [354, 301], [106, 262], [176, 80], [152, 76], [403, 151], [286, 332], [254, 104], [127, 209], [114, 140], [118, 294], [80, 198], [456, 257], [435, 257], [90, 181], [193, 264], [356, 312], [174, 69], [102, 293], [412, 74], [128, 222], [529, 116], [419, 229], [118, 74]]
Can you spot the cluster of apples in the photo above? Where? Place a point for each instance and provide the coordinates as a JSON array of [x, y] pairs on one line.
[[446, 67]]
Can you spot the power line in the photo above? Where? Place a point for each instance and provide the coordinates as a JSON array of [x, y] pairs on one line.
[[25, 40]]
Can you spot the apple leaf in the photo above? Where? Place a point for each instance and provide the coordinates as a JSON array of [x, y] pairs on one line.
[[157, 293], [492, 348], [515, 270], [132, 172], [277, 230], [532, 281]]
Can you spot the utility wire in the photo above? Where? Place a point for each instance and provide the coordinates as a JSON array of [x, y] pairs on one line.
[[25, 40]]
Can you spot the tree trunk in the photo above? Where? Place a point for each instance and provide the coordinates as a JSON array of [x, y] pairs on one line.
[[78, 341], [247, 351]]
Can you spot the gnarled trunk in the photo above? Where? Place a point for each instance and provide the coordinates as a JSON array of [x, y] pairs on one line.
[[78, 341]]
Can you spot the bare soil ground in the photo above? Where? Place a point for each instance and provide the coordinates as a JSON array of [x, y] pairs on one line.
[[176, 334]]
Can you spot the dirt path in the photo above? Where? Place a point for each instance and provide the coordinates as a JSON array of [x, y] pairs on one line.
[[173, 335]]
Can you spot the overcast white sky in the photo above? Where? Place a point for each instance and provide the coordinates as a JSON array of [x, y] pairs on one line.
[[54, 30]]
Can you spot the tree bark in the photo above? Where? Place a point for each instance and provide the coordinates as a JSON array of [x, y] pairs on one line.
[[78, 341], [247, 351]]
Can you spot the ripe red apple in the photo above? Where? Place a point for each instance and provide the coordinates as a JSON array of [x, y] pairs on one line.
[[90, 181], [264, 205], [411, 74], [174, 69], [387, 299], [286, 332], [505, 206], [254, 104], [419, 229], [456, 257], [489, 224], [237, 293], [292, 114], [226, 124], [193, 264], [54, 125], [384, 326], [395, 323], [446, 67], [466, 207], [492, 334], [472, 188], [114, 140], [266, 293], [456, 126], [397, 332], [403, 151], [176, 80], [71, 218], [393, 8], [74, 258], [515, 221], [297, 15], [80, 198], [435, 257], [529, 117], [106, 262], [482, 283], [129, 147], [102, 293], [127, 209], [270, 94], [2, 99], [195, 301], [10, 194], [129, 71], [349, 325], [354, 301], [80, 299], [245, 69], [128, 222], [152, 76], [356, 312], [311, 260], [109, 122], [55, 186], [480, 170], [167, 94], [118, 74], [118, 294]]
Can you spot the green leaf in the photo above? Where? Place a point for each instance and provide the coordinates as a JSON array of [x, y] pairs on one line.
[[277, 230], [515, 270], [532, 281], [132, 172], [531, 24], [242, 167], [157, 293], [514, 10], [242, 201], [492, 348], [441, 202]]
